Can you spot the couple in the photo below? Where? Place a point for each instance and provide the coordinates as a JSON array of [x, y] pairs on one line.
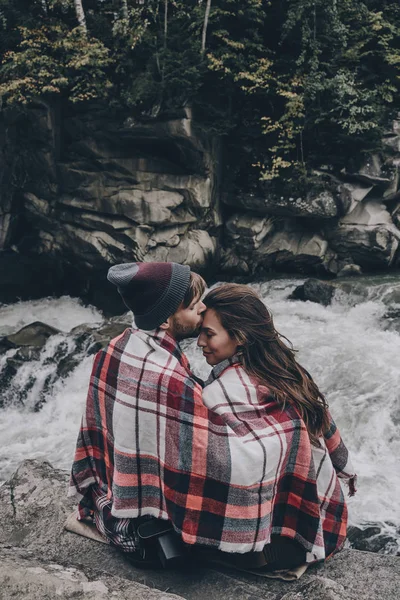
[[246, 467]]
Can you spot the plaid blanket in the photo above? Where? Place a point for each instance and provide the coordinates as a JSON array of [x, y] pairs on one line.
[[145, 441], [225, 471], [278, 482]]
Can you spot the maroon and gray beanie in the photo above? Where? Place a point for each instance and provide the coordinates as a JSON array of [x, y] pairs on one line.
[[152, 291]]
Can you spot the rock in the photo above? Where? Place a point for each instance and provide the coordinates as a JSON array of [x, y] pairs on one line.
[[367, 236], [67, 364], [314, 290], [366, 572], [153, 207], [56, 362], [8, 373], [372, 172], [247, 232], [295, 248], [349, 270], [358, 536], [230, 263], [103, 188], [391, 138], [286, 247], [196, 248], [120, 186], [372, 168], [243, 236], [27, 353], [391, 322], [94, 339], [32, 387], [40, 560], [382, 543], [316, 204], [37, 207], [396, 215], [6, 228], [36, 334], [167, 236], [321, 588], [351, 194], [369, 213], [392, 142], [372, 539], [22, 575], [392, 191], [375, 288]]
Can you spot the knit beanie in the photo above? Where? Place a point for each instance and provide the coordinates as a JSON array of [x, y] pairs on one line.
[[152, 291]]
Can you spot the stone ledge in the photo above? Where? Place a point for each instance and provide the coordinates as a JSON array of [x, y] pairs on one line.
[[23, 575], [34, 508]]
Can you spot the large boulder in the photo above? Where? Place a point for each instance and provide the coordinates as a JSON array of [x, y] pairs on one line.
[[40, 560], [254, 243], [367, 236], [314, 290], [36, 334], [296, 248]]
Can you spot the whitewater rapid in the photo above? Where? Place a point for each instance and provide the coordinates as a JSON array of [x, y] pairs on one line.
[[351, 354]]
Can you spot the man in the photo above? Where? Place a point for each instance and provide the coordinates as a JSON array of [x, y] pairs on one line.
[[145, 427]]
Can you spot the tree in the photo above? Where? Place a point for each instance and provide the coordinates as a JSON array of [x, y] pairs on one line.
[[288, 86], [205, 25], [80, 15], [165, 23], [124, 9]]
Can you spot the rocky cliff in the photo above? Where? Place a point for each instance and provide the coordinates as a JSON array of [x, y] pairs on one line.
[[81, 190], [101, 189], [40, 560]]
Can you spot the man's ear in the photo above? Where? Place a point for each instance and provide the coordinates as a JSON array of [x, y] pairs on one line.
[[166, 325]]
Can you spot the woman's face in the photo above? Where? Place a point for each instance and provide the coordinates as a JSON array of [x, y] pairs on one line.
[[215, 341]]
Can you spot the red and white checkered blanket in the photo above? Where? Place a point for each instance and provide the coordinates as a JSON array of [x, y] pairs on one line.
[[278, 482], [227, 474]]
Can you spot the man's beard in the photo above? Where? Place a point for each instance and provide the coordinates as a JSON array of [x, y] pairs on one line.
[[182, 332]]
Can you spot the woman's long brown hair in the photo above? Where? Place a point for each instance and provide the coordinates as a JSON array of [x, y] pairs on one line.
[[264, 355]]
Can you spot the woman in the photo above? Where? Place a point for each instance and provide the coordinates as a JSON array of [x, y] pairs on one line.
[[286, 452]]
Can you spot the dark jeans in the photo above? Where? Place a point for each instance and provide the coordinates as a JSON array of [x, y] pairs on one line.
[[281, 553], [284, 553]]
